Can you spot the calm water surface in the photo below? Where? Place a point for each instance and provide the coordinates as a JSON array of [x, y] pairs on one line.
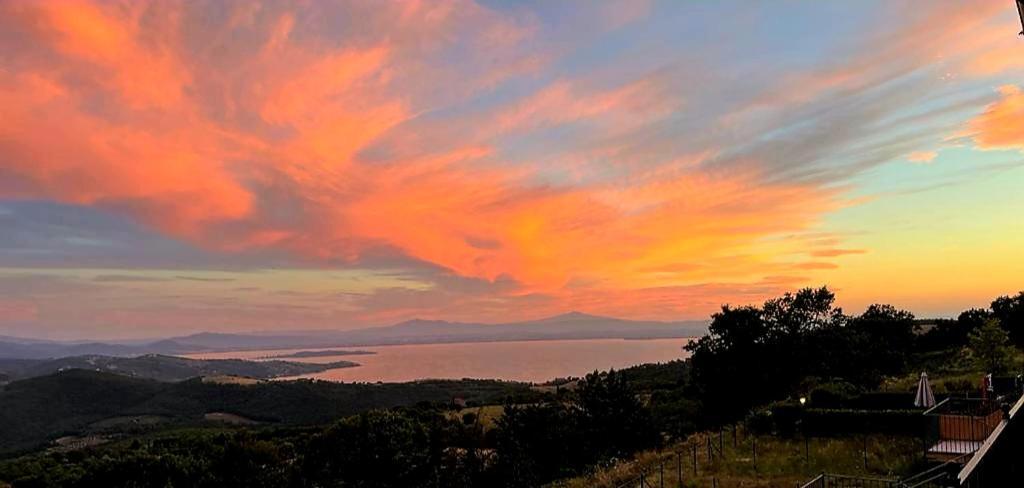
[[535, 361]]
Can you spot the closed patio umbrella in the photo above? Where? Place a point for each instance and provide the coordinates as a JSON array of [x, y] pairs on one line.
[[924, 397]]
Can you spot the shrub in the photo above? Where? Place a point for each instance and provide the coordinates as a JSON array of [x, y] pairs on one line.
[[759, 421], [833, 394], [959, 386]]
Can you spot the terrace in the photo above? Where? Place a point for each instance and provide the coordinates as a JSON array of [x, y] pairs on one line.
[[959, 426], [972, 443]]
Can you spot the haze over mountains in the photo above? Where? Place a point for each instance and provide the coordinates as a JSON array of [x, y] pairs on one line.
[[573, 325]]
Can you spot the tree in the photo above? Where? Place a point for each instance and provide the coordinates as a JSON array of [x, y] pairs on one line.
[[971, 319], [536, 444], [888, 338], [731, 365], [989, 345], [612, 419], [803, 311], [380, 448], [946, 333], [1010, 312], [754, 355]]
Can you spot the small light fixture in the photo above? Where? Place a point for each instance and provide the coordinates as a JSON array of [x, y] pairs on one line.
[[803, 401]]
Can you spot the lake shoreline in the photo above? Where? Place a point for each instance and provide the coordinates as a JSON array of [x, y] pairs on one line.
[[532, 361]]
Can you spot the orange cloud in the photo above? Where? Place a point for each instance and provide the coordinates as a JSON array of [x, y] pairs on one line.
[[1001, 125], [176, 176], [828, 253], [115, 49]]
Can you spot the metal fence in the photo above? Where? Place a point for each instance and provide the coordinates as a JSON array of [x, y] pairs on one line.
[[668, 472], [673, 468], [697, 462]]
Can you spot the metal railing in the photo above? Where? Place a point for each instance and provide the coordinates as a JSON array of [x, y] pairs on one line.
[[998, 462], [958, 426], [826, 480], [939, 476]]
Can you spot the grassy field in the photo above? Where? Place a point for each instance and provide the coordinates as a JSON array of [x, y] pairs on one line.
[[948, 371], [486, 415], [780, 462], [225, 379], [229, 418]]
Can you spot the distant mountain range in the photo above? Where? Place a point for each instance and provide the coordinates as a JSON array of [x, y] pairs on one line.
[[573, 325]]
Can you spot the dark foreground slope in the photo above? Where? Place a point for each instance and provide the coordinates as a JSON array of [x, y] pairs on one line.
[[37, 410]]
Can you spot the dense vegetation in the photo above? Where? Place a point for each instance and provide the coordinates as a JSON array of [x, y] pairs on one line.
[[754, 356], [421, 446], [39, 409], [800, 342]]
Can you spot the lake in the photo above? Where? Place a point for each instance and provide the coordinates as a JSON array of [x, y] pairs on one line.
[[532, 361]]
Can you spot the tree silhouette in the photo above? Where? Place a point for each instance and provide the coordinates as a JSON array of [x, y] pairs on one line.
[[989, 345]]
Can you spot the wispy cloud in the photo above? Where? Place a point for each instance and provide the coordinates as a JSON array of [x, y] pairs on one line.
[[922, 157]]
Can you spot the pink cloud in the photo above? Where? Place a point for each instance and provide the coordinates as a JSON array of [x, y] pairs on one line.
[[18, 311]]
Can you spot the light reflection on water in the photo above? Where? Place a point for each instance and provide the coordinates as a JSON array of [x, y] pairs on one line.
[[535, 361]]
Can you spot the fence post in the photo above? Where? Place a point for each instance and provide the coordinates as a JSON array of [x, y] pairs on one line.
[[734, 436], [694, 449], [807, 451], [661, 482], [754, 444], [720, 448], [865, 453], [643, 480], [679, 468], [924, 439]]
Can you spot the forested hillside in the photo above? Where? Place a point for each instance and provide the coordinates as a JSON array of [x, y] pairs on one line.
[[165, 368], [37, 410]]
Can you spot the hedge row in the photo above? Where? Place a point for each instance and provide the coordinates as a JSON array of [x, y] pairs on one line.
[[790, 419]]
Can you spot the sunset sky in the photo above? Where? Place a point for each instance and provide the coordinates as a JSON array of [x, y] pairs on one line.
[[171, 167]]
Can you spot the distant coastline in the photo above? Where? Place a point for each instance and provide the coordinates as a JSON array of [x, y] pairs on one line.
[[318, 354]]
